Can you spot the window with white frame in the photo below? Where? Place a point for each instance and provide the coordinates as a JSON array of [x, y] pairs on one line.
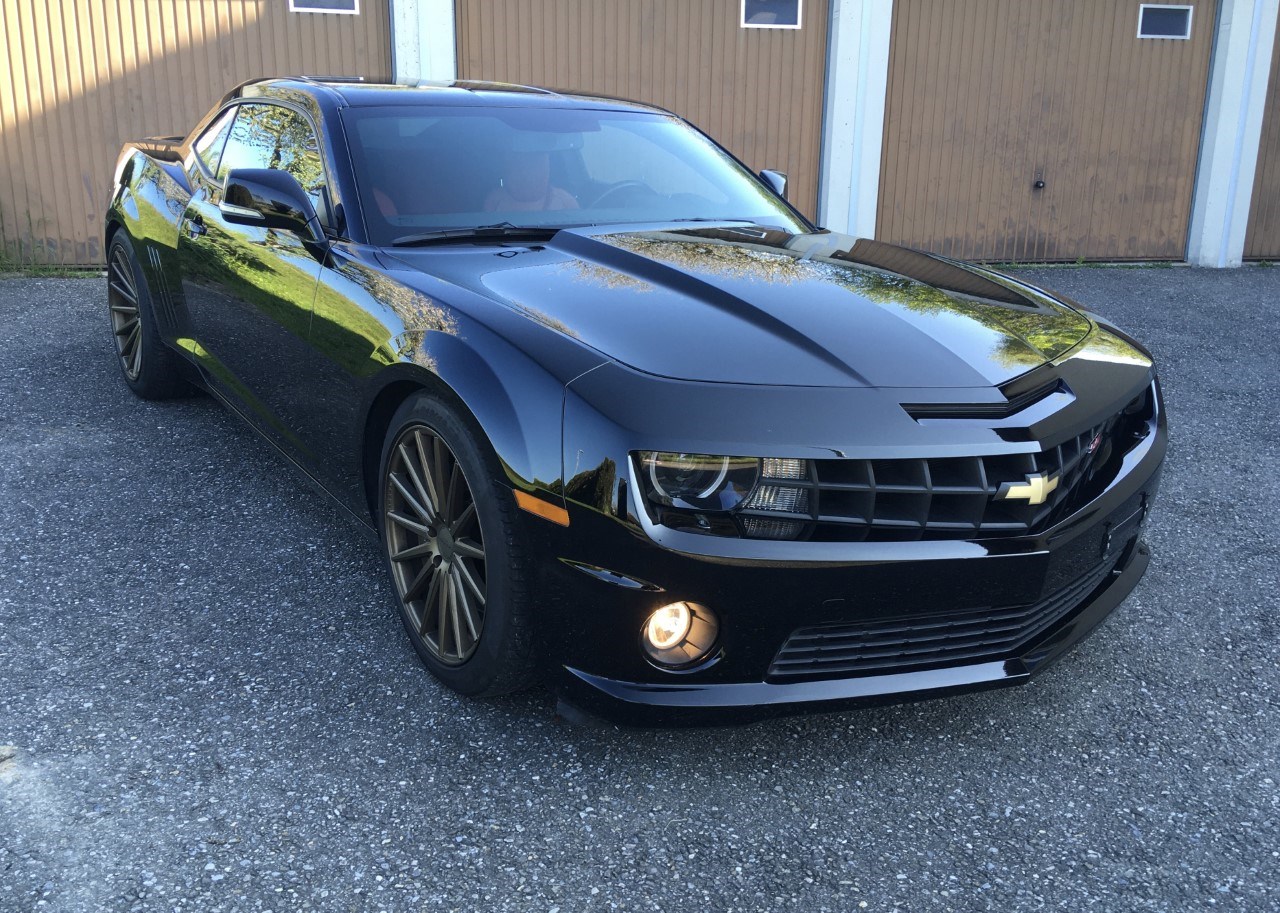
[[771, 14], [346, 7], [1164, 20]]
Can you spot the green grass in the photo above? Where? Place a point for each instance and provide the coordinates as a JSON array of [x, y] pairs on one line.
[[12, 267], [10, 270]]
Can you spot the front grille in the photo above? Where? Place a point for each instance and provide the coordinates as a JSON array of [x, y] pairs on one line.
[[938, 498], [907, 644]]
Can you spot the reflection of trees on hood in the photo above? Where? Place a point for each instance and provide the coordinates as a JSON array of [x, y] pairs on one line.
[[731, 261], [542, 317], [1106, 346], [1048, 333], [584, 271], [1028, 335]]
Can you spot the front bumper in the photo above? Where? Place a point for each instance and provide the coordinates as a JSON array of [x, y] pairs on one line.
[[583, 695], [603, 576]]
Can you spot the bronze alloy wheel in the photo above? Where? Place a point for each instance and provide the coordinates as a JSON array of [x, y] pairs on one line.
[[433, 538], [126, 321]]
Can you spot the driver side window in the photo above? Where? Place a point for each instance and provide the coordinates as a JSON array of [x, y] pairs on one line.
[[249, 145], [272, 136]]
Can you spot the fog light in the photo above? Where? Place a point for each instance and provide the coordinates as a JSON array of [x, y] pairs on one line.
[[668, 626], [679, 635]]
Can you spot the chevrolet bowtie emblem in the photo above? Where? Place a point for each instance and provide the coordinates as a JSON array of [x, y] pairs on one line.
[[1035, 490]]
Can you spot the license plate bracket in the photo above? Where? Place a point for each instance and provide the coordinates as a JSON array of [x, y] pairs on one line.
[[1119, 533]]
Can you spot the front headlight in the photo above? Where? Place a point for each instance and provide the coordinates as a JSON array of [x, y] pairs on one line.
[[698, 481]]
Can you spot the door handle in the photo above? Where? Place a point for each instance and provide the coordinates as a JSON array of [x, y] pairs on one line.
[[195, 227]]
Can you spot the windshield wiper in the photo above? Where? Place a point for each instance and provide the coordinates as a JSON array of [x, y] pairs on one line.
[[499, 232], [739, 226]]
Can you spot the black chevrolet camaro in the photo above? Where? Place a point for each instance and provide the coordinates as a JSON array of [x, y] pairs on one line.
[[622, 417]]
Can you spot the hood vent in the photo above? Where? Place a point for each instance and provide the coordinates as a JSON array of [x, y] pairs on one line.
[[1015, 403]]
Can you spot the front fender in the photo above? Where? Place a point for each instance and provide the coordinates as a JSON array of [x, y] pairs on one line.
[[519, 413], [382, 337]]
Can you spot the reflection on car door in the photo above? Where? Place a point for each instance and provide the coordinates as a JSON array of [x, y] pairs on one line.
[[249, 290]]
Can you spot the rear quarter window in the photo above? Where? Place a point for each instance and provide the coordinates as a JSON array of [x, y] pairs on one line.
[[209, 146]]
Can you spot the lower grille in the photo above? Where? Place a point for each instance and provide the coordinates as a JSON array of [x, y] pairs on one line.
[[913, 643]]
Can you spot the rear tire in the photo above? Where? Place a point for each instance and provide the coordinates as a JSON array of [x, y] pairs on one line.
[[457, 566], [151, 369]]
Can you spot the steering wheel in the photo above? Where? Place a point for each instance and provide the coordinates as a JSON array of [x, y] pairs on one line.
[[621, 187]]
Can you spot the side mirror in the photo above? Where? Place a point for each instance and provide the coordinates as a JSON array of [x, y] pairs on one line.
[[776, 180], [269, 198]]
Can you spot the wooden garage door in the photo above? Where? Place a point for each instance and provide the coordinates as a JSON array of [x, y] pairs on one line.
[[987, 97], [757, 91], [1262, 240], [78, 77]]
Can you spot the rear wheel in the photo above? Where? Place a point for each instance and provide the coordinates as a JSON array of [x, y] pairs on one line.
[[456, 564], [151, 369]]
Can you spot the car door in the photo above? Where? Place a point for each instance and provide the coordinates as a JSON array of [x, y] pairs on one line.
[[249, 290]]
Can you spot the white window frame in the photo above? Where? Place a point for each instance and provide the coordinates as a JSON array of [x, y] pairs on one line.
[[743, 23], [1191, 14], [293, 8]]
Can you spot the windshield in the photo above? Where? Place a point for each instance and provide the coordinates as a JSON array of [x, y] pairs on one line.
[[430, 169]]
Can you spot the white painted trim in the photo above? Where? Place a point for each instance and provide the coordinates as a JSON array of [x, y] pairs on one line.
[[743, 23], [1242, 49], [1191, 14], [423, 41], [853, 115]]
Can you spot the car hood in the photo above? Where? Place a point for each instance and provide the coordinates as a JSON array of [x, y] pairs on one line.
[[742, 305]]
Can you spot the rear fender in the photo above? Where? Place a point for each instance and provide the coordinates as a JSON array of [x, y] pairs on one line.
[[148, 202]]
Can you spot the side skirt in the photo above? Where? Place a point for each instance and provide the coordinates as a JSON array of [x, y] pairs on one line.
[[366, 524]]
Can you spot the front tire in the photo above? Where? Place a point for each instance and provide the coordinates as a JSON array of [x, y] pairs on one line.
[[151, 369], [456, 564]]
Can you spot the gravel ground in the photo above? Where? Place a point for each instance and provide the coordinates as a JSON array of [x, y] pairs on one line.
[[208, 704]]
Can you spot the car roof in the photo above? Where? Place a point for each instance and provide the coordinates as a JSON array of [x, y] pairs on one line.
[[360, 92]]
